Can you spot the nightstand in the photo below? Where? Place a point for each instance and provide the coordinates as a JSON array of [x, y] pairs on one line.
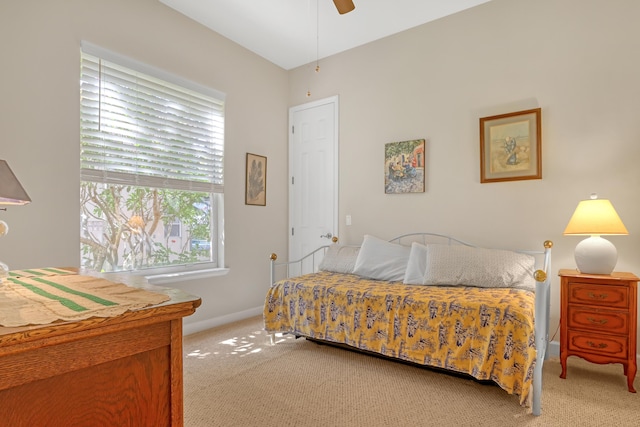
[[599, 319]]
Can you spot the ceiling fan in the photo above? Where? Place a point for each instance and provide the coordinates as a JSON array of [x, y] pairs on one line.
[[344, 6]]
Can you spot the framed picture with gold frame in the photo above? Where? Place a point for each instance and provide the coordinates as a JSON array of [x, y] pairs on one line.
[[256, 180], [511, 146]]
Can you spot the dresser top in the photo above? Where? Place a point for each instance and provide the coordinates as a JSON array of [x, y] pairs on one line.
[[616, 275], [178, 304]]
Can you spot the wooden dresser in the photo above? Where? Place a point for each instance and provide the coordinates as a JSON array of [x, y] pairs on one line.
[[116, 371], [598, 319]]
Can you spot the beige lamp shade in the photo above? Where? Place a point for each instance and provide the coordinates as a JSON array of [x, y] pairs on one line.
[[11, 191], [595, 217]]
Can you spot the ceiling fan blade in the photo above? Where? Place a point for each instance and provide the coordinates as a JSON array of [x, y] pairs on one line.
[[344, 6]]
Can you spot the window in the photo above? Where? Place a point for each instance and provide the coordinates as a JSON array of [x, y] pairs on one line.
[[172, 230], [151, 157]]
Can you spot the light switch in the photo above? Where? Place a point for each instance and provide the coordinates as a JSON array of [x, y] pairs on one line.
[[348, 220]]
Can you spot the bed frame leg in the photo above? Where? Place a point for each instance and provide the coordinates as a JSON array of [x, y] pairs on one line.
[[537, 389]]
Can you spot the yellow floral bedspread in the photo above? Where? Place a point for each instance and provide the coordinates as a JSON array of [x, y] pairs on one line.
[[487, 333]]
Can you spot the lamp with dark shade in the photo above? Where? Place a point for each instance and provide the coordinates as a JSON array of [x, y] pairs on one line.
[[595, 217], [11, 193], [344, 6]]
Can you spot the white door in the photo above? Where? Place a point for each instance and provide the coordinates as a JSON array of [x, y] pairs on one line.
[[313, 181]]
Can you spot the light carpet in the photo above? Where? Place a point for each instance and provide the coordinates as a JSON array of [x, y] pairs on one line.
[[234, 376]]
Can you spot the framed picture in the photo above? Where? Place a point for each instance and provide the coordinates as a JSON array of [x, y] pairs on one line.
[[256, 180], [511, 147], [404, 167]]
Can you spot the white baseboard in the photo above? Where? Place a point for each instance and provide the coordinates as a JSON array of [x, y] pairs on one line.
[[192, 328], [553, 349]]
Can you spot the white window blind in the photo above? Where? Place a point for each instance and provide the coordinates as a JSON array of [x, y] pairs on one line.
[[144, 127]]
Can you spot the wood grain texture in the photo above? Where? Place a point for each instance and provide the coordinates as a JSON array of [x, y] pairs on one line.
[[131, 391], [119, 371], [609, 296], [598, 320]]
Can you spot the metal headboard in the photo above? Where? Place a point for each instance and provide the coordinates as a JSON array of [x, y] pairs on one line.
[[312, 260]]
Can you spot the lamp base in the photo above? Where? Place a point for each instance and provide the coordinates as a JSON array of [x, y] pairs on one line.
[[595, 255]]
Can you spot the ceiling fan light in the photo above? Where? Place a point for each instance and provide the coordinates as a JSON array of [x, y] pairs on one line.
[[344, 6]]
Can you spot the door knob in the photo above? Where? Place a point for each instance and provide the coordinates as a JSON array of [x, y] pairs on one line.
[[327, 236]]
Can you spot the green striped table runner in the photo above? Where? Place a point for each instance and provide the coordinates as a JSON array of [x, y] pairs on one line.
[[42, 296]]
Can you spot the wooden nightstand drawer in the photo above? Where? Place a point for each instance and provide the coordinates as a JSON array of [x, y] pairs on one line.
[[616, 322], [604, 295], [599, 319], [611, 346]]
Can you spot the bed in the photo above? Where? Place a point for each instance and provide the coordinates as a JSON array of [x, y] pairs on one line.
[[427, 299]]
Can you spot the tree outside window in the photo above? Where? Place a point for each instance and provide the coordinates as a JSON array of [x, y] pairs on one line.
[[124, 228]]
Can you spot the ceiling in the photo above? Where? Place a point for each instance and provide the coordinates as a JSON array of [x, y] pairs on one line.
[[284, 31]]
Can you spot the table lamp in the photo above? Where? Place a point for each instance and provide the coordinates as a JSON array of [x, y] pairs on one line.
[[595, 217], [11, 193], [344, 6]]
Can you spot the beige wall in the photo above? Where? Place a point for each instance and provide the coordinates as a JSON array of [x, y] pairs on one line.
[[577, 60], [39, 130]]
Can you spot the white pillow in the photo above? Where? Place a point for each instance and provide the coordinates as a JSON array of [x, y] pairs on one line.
[[417, 265], [381, 260], [339, 259], [490, 268]]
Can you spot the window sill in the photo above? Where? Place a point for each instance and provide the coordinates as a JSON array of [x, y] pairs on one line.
[[167, 278]]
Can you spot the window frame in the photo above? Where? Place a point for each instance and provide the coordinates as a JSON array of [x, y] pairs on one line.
[[174, 273]]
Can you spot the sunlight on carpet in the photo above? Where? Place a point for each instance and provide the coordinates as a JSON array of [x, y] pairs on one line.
[[236, 376], [240, 346]]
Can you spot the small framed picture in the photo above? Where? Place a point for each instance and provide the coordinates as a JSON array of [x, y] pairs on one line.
[[404, 167], [511, 147], [256, 180]]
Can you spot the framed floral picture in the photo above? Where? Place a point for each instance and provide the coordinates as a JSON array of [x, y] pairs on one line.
[[256, 180], [511, 147]]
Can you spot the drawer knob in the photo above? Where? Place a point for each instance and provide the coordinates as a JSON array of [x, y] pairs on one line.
[[597, 322], [598, 296], [594, 345]]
